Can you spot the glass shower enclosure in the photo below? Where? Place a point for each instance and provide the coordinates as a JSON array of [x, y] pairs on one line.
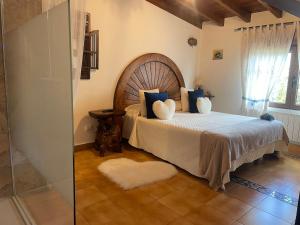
[[36, 114]]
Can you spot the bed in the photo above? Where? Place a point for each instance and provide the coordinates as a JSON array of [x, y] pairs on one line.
[[210, 145]]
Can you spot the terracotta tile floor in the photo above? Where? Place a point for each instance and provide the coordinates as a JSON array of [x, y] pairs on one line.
[[181, 200], [48, 207], [281, 175], [9, 214]]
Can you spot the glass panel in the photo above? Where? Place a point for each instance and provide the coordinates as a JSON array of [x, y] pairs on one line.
[[298, 97], [39, 90], [280, 89], [296, 71], [5, 162]]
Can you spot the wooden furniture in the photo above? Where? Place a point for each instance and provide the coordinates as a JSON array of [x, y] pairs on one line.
[[209, 95], [147, 72], [198, 11], [171, 139], [109, 132], [90, 59]]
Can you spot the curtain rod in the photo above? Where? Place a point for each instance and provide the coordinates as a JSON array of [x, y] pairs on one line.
[[264, 25]]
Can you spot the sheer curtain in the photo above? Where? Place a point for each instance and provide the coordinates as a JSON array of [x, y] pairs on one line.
[[264, 53], [298, 40], [78, 20]]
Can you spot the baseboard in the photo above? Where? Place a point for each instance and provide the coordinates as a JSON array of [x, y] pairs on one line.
[[83, 147], [294, 142]]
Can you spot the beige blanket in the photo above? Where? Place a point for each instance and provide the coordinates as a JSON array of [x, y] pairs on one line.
[[220, 146]]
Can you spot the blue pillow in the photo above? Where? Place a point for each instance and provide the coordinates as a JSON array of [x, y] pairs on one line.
[[150, 99], [193, 96], [267, 117]]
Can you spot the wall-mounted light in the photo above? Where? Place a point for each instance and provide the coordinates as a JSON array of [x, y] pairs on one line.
[[192, 42]]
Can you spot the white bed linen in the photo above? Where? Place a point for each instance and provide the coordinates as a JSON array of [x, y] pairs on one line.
[[178, 140], [128, 123]]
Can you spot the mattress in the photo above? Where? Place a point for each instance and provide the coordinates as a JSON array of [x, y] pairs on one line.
[[179, 140]]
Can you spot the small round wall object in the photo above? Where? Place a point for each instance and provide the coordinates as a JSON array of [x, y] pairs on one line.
[[192, 41]]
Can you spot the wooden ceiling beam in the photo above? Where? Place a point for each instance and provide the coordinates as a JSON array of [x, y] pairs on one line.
[[275, 11], [176, 8], [235, 9], [208, 14]]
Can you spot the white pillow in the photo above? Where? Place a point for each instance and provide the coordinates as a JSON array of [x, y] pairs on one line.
[[143, 101], [204, 105], [178, 106], [133, 108], [185, 99], [164, 110]]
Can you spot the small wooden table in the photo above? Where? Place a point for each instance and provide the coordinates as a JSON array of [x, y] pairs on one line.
[[109, 132]]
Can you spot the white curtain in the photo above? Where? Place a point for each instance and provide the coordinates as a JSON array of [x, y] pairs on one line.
[[298, 40], [264, 54], [78, 20]]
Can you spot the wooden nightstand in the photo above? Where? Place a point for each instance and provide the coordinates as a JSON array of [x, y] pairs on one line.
[[109, 132]]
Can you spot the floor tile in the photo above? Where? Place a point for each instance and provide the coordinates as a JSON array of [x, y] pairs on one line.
[[259, 217], [140, 196], [183, 202], [247, 195], [126, 203], [9, 214], [183, 199], [48, 207], [157, 190], [279, 209], [231, 207], [175, 202], [236, 223], [80, 220], [181, 221], [206, 215], [160, 212], [88, 196], [105, 212]]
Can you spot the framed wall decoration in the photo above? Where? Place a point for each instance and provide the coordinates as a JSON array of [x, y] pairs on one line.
[[218, 54]]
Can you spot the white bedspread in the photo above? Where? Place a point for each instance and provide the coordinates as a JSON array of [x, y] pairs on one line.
[[178, 140]]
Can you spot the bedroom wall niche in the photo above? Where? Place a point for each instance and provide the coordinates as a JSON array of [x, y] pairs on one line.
[[143, 30], [39, 102]]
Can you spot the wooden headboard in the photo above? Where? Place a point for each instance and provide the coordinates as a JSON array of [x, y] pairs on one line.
[[147, 72]]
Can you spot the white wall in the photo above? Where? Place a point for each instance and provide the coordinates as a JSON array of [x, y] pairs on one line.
[[223, 77], [129, 29], [38, 70]]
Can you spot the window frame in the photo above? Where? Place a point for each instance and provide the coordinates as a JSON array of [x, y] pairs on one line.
[[293, 82]]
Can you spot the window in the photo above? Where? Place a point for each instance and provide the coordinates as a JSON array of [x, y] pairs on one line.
[[90, 59], [286, 92]]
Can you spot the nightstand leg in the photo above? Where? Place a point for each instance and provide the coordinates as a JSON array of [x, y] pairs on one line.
[[101, 152], [118, 121], [99, 138]]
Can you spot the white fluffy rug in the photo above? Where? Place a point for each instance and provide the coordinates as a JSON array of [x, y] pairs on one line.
[[130, 174]]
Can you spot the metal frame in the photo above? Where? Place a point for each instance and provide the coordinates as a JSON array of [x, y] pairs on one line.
[[297, 222], [21, 208], [293, 83]]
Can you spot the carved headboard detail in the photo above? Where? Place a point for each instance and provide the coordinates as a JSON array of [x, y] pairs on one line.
[[148, 72]]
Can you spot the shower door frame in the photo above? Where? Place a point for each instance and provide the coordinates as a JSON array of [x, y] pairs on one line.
[[15, 199]]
